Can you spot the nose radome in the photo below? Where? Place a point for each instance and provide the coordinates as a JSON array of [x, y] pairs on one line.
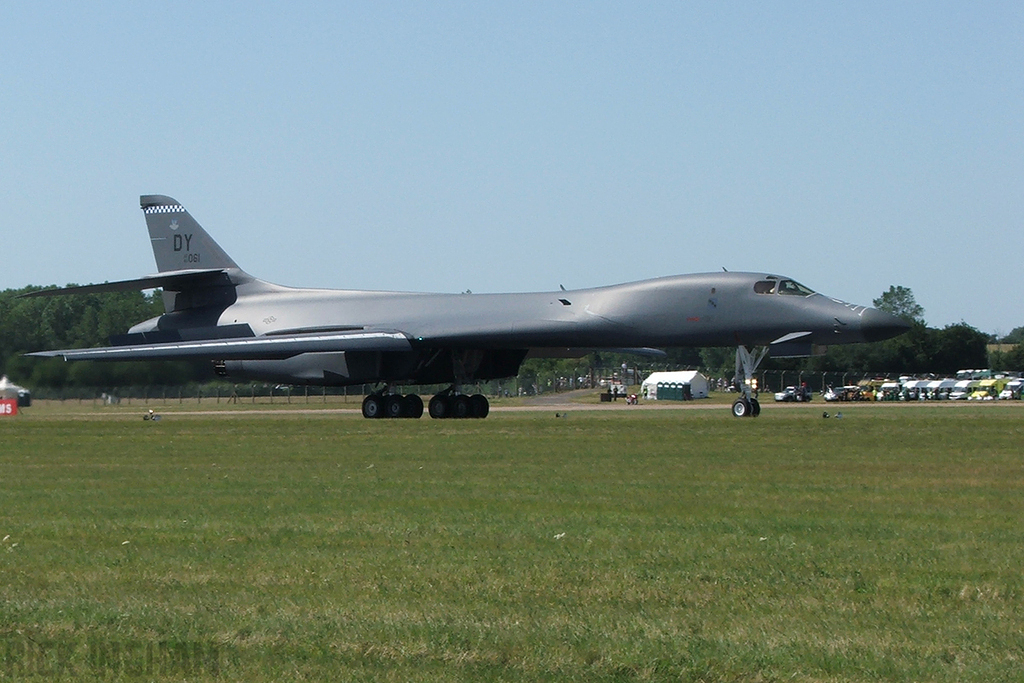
[[877, 325]]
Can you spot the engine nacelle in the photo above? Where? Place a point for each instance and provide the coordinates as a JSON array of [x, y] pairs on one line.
[[321, 369], [341, 368]]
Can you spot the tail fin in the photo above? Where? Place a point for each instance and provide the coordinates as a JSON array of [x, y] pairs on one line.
[[179, 242]]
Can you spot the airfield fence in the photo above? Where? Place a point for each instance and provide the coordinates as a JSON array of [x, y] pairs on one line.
[[582, 378], [777, 380]]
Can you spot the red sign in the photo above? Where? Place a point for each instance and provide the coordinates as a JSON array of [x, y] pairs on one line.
[[8, 406]]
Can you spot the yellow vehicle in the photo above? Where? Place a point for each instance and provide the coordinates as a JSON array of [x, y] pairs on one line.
[[987, 390]]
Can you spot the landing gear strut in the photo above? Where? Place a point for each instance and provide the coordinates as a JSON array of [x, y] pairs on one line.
[[747, 404]]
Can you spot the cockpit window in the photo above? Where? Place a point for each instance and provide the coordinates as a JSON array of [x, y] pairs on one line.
[[793, 287], [764, 287]]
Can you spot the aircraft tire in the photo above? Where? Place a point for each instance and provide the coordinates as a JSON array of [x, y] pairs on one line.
[[461, 407], [413, 406], [479, 406], [439, 407], [755, 407], [373, 407], [393, 406], [741, 408]]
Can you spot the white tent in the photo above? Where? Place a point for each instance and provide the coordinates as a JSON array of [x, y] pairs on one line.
[[698, 383], [8, 389]]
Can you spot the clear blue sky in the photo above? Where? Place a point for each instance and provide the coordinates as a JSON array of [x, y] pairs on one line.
[[519, 146]]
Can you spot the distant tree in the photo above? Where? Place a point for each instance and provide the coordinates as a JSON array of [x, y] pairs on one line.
[[959, 347], [684, 356], [1015, 358], [718, 360], [1016, 336], [1012, 360], [899, 301], [80, 321]]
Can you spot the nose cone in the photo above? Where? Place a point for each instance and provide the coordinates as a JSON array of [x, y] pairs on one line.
[[877, 325]]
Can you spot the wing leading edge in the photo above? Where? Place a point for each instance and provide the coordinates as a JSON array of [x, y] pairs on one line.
[[268, 347], [173, 281]]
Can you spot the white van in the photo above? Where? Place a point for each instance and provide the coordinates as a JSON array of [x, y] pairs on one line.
[[1012, 390], [963, 389]]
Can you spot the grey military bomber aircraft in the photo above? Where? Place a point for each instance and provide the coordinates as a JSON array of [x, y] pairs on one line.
[[251, 329]]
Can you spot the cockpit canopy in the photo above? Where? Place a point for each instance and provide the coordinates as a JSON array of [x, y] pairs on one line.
[[773, 285]]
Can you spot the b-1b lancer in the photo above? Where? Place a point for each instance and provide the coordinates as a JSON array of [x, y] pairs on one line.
[[251, 329]]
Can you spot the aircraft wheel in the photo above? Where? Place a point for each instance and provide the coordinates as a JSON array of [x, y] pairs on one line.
[[479, 407], [373, 407], [755, 407], [413, 405], [393, 406], [439, 407], [741, 408], [461, 407]]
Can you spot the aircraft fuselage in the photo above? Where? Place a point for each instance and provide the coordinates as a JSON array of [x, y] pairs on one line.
[[253, 329], [712, 309]]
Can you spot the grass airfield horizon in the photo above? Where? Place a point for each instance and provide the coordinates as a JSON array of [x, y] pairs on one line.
[[626, 544]]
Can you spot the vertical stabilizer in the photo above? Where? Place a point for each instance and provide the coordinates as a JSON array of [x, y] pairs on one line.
[[179, 242]]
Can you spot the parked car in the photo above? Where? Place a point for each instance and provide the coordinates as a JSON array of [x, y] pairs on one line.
[[799, 394], [847, 393]]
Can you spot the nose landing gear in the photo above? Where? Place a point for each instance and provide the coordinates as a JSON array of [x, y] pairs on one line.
[[746, 407], [747, 404]]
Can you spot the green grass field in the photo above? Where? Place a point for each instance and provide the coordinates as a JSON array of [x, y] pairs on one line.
[[619, 545]]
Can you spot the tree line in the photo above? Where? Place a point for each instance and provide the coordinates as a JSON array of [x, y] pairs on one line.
[[40, 323], [63, 322]]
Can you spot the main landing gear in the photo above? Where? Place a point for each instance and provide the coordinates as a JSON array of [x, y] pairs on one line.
[[392, 405], [447, 404], [747, 404], [452, 404]]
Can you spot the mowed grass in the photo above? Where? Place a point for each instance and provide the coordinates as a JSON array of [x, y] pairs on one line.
[[625, 545]]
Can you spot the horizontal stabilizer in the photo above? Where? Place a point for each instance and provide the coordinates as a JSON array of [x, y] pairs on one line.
[[242, 348], [171, 281]]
